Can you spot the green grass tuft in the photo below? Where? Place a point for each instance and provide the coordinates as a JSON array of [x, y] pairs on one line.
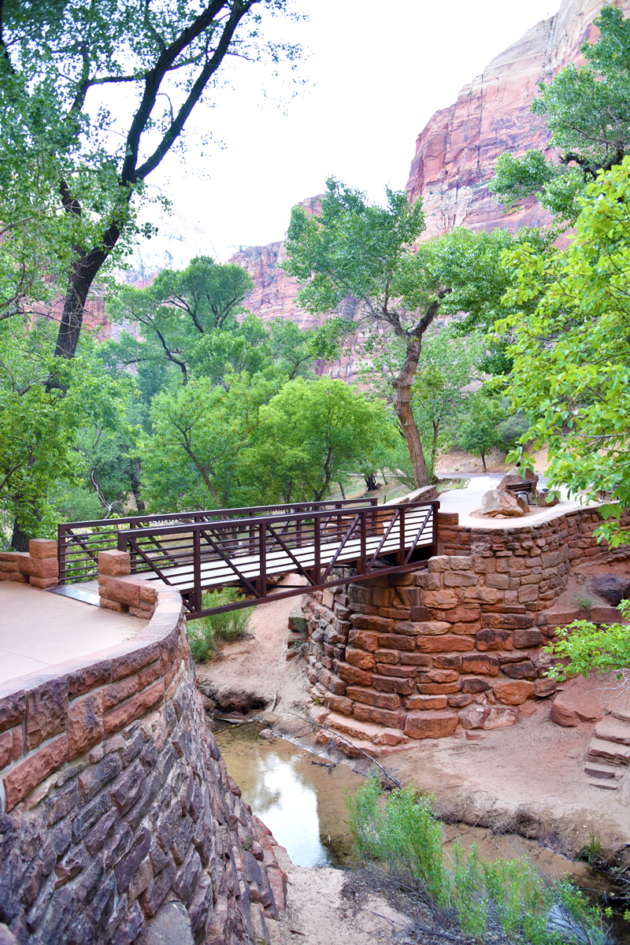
[[401, 836], [207, 635]]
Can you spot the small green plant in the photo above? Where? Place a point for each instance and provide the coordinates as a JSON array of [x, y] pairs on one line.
[[592, 851], [207, 635], [584, 646], [402, 837]]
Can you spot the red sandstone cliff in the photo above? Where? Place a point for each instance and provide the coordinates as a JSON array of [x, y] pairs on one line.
[[458, 149]]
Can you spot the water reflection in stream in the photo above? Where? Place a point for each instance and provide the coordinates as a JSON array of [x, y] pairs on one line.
[[301, 802]]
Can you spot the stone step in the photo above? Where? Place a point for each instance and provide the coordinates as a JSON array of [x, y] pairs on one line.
[[365, 731], [604, 785], [599, 770], [601, 749], [614, 730], [622, 714]]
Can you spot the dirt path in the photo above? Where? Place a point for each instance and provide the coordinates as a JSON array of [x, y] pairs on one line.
[[528, 779], [318, 914]]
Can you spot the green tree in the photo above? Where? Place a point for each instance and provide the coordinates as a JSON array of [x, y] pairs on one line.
[[314, 433], [449, 365], [197, 455], [587, 112], [571, 374], [61, 66], [479, 432], [188, 319], [361, 260], [41, 425]]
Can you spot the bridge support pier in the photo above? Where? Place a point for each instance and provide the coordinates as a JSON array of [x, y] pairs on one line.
[[454, 646]]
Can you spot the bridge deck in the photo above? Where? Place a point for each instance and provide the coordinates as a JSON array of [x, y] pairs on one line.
[[216, 573]]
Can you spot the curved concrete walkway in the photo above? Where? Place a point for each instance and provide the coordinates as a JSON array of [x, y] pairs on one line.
[[39, 629], [467, 500]]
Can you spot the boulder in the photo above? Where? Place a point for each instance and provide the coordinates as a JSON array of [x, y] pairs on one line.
[[486, 717], [612, 587], [497, 502], [546, 499], [577, 702]]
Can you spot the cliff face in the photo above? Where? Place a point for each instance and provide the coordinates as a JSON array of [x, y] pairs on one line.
[[457, 151]]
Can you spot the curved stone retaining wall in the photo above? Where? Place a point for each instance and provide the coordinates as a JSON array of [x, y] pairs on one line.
[[115, 800], [457, 644]]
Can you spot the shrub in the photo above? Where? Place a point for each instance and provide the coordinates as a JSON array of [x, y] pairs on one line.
[[490, 900], [207, 635]]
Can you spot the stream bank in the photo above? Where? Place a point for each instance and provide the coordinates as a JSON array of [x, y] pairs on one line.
[[300, 796]]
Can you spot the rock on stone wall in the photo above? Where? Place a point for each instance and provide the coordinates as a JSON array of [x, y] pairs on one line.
[[115, 800], [455, 644]]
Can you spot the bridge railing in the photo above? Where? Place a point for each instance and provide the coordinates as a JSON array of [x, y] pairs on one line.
[[198, 556], [80, 542]]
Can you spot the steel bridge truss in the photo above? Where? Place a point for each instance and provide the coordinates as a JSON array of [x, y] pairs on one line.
[[257, 549]]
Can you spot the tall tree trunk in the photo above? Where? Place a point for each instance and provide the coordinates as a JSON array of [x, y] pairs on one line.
[[19, 539], [82, 276], [135, 487], [402, 405], [370, 482]]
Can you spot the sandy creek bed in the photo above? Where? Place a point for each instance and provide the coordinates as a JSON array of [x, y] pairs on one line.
[[303, 804]]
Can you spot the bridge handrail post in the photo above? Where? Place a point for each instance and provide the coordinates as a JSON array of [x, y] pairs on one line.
[[434, 537], [363, 558], [133, 556], [262, 559], [252, 534], [61, 552], [401, 553], [196, 595], [317, 541]]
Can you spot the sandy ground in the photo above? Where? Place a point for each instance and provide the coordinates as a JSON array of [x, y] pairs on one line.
[[39, 629], [527, 779], [318, 914], [460, 462]]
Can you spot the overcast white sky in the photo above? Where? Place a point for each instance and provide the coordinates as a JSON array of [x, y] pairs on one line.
[[376, 73]]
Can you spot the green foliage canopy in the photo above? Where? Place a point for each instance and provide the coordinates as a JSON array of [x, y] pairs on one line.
[[41, 423], [363, 261], [571, 372], [314, 433], [587, 112]]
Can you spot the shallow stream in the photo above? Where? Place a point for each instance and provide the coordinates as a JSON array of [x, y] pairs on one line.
[[302, 801]]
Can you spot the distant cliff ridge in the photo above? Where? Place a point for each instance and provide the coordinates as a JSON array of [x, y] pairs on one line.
[[457, 151]]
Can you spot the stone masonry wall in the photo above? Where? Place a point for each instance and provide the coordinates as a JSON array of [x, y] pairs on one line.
[[457, 643], [115, 800], [39, 567]]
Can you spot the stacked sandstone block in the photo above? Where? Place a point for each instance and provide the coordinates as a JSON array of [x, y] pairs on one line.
[[119, 590], [568, 536], [39, 567], [454, 644], [114, 799]]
